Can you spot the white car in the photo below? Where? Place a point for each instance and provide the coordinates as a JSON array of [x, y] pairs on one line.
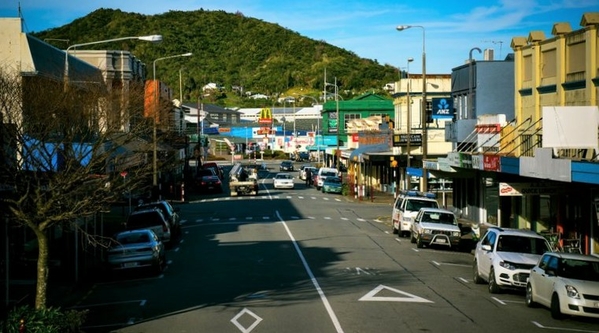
[[434, 226], [567, 283], [283, 180], [406, 207], [505, 256], [324, 173]]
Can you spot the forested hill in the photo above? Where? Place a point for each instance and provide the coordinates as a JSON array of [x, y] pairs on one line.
[[228, 49]]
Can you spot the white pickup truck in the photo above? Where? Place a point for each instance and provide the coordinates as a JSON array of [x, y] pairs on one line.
[[243, 180], [405, 208]]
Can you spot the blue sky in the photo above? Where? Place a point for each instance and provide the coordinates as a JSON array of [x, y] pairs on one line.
[[367, 28]]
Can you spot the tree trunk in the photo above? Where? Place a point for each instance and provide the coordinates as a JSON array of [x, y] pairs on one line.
[[42, 270]]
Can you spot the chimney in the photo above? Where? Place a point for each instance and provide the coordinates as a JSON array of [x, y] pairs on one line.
[[489, 54]]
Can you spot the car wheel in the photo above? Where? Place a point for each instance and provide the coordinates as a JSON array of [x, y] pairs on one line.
[[412, 238], [395, 231], [419, 242], [475, 276], [493, 286], [528, 298], [556, 313]]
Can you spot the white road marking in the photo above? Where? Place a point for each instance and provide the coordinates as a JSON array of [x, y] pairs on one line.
[[498, 300], [252, 326], [327, 218], [323, 298], [463, 280], [397, 239], [415, 250], [361, 220], [562, 329], [370, 296], [344, 218]]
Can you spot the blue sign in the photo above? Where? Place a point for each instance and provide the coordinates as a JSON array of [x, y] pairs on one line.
[[442, 108]]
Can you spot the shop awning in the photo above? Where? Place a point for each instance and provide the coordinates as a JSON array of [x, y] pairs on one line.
[[356, 154], [417, 172]]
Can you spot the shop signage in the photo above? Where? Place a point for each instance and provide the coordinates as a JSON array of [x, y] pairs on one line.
[[520, 189], [400, 140], [477, 162], [442, 108], [491, 163]]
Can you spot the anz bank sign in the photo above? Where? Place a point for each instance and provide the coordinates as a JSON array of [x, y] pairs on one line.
[[442, 108]]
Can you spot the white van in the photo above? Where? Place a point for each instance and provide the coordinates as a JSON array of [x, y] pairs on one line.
[[324, 173]]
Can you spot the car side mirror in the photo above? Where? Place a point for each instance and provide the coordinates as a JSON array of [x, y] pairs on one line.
[[550, 272], [486, 247]]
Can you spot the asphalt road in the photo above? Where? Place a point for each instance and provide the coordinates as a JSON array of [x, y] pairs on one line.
[[303, 261]]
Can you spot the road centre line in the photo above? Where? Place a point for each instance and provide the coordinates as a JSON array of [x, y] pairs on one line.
[[323, 298]]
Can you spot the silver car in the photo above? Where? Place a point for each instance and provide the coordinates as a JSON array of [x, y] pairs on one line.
[[136, 249]]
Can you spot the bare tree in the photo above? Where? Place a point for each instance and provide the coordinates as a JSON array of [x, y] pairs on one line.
[[61, 157]]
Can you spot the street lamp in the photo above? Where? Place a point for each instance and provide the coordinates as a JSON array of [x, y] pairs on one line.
[[470, 81], [408, 143], [156, 108], [424, 177], [337, 154], [150, 38]]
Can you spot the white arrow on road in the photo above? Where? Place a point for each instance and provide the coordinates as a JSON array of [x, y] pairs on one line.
[[371, 296]]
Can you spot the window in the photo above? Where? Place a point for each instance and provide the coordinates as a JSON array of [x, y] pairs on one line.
[[348, 117]]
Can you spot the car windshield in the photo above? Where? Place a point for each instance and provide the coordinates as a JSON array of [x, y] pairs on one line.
[[328, 174], [579, 269], [522, 244], [144, 220], [283, 176], [333, 180], [165, 208], [442, 218], [133, 238], [415, 205], [205, 172]]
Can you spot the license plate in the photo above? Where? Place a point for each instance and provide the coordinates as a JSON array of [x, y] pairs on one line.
[[130, 264], [441, 240]]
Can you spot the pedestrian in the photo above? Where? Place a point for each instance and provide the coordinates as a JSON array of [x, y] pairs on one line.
[[308, 177]]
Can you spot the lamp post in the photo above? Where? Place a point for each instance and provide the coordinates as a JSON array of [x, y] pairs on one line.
[[317, 127], [424, 178], [149, 38], [408, 143], [156, 109], [337, 154], [470, 81]]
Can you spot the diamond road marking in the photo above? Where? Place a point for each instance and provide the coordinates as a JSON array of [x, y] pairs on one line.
[[252, 326]]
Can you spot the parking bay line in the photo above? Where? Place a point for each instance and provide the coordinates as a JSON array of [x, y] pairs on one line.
[[448, 264]]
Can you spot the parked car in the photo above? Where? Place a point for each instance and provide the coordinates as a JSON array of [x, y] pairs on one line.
[[169, 212], [208, 181], [136, 249], [153, 219], [218, 170], [566, 283], [324, 173], [406, 206], [505, 256], [286, 166], [283, 180], [332, 185], [434, 226]]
